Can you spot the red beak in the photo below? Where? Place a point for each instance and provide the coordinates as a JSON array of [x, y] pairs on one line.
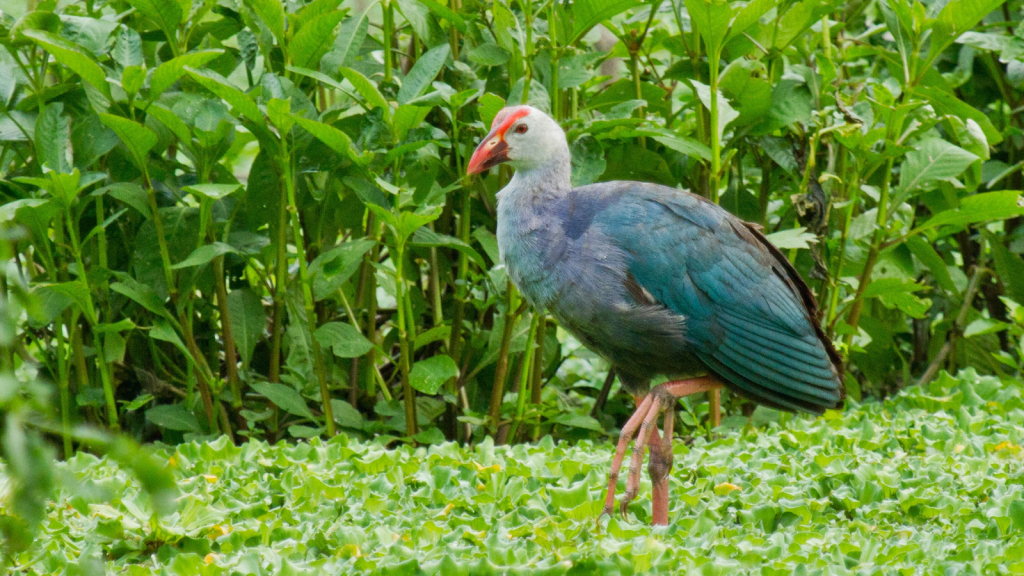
[[494, 150], [491, 152]]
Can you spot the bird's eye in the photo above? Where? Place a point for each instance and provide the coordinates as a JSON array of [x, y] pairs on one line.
[[521, 129]]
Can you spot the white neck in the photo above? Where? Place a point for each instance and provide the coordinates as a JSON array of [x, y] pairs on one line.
[[550, 180]]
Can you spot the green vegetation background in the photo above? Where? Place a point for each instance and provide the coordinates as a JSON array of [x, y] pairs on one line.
[[248, 219]]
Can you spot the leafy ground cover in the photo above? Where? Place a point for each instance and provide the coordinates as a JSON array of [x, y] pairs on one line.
[[929, 482]]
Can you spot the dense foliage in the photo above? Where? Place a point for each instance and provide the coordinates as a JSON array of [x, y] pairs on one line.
[[929, 482], [250, 217]]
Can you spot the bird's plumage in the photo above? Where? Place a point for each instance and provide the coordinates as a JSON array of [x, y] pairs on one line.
[[660, 281]]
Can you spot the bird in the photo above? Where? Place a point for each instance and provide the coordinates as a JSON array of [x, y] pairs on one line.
[[659, 282]]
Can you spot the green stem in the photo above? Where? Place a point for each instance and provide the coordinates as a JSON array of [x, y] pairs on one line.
[[389, 30], [537, 379], [408, 396], [307, 292], [501, 369], [525, 374], [716, 153], [101, 361], [280, 292]]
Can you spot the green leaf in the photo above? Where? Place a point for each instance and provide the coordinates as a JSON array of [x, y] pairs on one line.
[[930, 258], [138, 139], [162, 330], [589, 13], [685, 145], [172, 122], [711, 18], [334, 139], [345, 415], [204, 254], [369, 92], [271, 12], [236, 98], [248, 321], [422, 73], [945, 103], [490, 105], [489, 55], [285, 398], [977, 208], [212, 191], [313, 40], [75, 291], [172, 70], [350, 38], [131, 194], [726, 113], [427, 237], [141, 294], [69, 55], [174, 417], [166, 13], [933, 160], [343, 339], [984, 326], [957, 17], [52, 134], [428, 376], [792, 238]]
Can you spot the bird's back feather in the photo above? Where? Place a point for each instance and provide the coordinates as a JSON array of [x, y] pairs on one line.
[[749, 316]]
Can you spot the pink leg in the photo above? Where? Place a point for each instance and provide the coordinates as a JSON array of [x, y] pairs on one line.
[[639, 447], [644, 419], [620, 451], [659, 467]]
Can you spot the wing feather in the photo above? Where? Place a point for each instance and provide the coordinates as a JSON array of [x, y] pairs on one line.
[[750, 318]]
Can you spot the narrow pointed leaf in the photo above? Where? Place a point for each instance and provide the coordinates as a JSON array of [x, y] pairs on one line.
[[171, 71]]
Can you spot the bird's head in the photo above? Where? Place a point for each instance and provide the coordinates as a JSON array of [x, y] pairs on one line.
[[522, 136]]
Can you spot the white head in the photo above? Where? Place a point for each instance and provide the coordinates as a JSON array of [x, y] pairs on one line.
[[528, 140]]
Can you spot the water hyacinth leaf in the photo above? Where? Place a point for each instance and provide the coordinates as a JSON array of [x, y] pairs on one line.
[[171, 71], [428, 376], [69, 55], [343, 339], [314, 39], [285, 398], [422, 73]]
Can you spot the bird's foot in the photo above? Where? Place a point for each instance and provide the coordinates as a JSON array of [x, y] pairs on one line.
[[661, 463]]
